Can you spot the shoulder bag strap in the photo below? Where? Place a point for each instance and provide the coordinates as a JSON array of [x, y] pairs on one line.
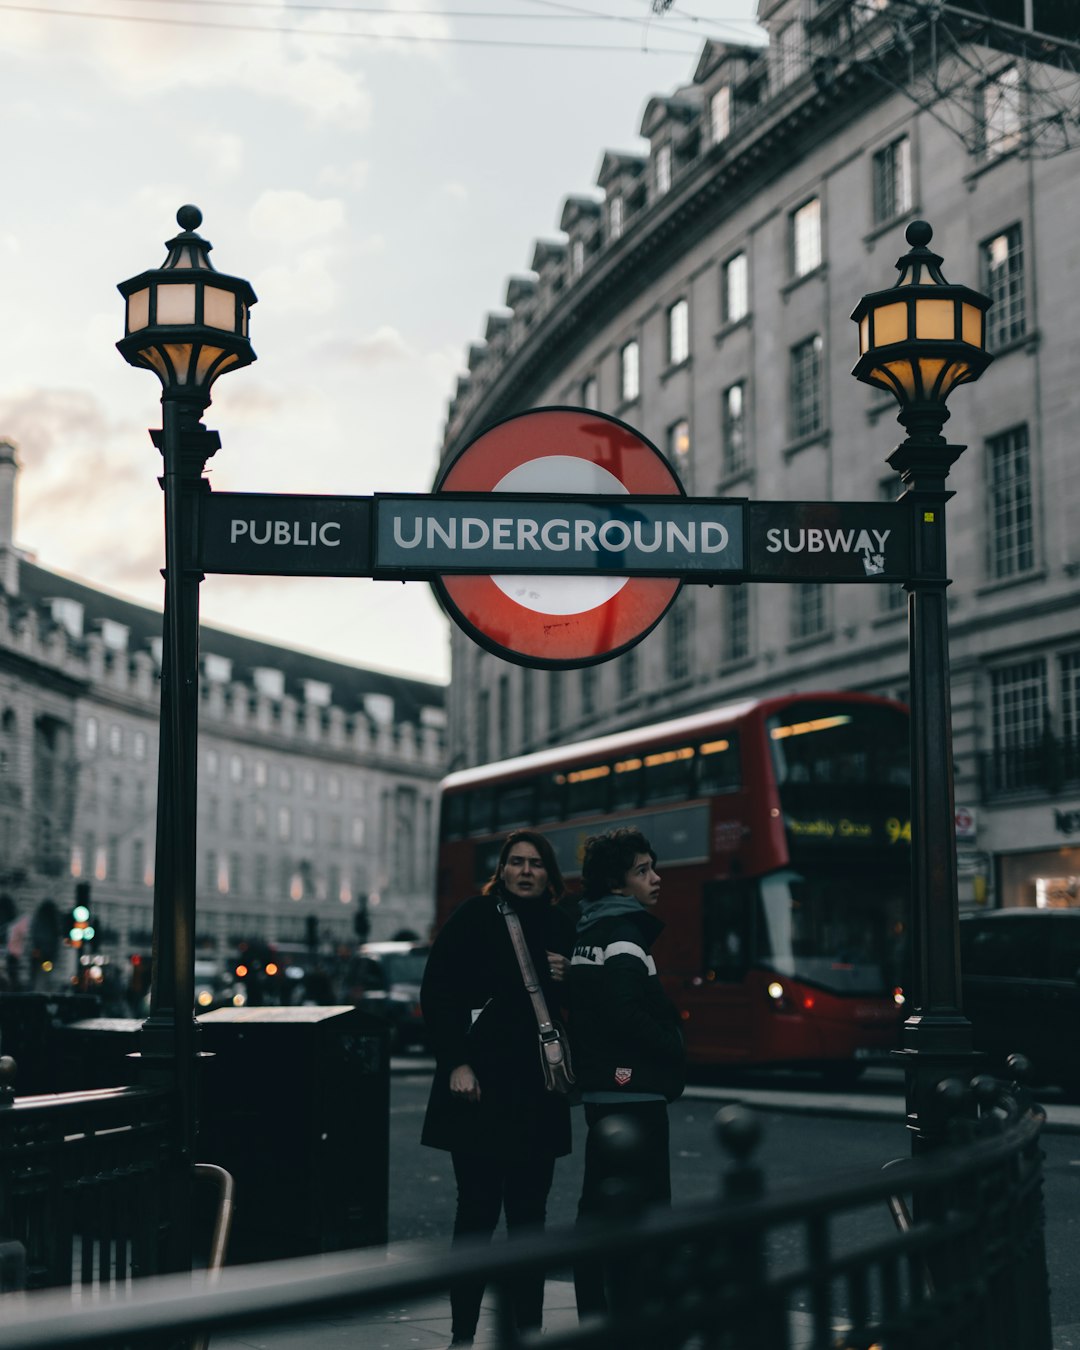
[[528, 971]]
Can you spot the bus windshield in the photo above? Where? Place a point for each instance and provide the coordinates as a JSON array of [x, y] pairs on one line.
[[840, 932], [820, 743]]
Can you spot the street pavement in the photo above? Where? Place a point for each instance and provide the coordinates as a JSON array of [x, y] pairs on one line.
[[425, 1325]]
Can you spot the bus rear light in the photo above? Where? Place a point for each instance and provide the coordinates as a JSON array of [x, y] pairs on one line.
[[685, 1015], [808, 1001]]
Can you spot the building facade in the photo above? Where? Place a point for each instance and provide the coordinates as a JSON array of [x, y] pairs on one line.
[[702, 293], [318, 781]]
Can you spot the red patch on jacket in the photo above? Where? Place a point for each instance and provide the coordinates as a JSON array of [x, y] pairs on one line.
[[623, 1076]]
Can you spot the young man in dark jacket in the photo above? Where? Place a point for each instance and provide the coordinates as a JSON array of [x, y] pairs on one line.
[[628, 1050]]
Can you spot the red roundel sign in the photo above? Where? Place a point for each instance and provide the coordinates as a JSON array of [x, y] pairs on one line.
[[558, 621]]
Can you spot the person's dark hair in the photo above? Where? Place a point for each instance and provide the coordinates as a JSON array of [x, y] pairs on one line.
[[608, 858], [555, 886]]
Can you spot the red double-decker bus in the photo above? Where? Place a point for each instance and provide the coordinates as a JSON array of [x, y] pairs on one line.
[[782, 832]]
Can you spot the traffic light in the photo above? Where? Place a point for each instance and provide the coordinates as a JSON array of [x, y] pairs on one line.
[[82, 922]]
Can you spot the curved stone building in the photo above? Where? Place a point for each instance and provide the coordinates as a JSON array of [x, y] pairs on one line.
[[702, 292]]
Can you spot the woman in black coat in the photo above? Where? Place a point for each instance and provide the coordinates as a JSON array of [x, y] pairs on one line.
[[488, 1106]]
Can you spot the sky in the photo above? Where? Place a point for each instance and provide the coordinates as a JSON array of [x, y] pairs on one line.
[[377, 169]]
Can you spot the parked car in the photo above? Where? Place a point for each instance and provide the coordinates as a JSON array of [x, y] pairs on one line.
[[384, 978], [1021, 988]]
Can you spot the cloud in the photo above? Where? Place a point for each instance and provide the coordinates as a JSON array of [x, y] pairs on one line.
[[281, 56], [310, 284], [386, 344], [289, 217], [346, 177], [457, 191], [222, 150]]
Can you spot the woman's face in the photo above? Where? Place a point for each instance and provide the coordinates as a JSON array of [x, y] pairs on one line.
[[523, 873]]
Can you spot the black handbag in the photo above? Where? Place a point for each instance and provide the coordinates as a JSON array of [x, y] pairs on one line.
[[554, 1047]]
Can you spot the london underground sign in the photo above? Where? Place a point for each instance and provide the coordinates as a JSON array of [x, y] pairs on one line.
[[556, 620], [558, 538]]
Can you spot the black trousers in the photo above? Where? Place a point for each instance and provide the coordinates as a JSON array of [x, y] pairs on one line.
[[595, 1285], [487, 1187]]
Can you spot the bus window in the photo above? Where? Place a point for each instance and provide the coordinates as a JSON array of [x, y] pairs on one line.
[[453, 816], [514, 805], [727, 919], [627, 783], [481, 811], [835, 929], [549, 797], [718, 765], [587, 790], [669, 775], [820, 743]]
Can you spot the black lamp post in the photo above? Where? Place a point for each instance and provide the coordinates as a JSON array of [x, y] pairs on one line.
[[187, 323], [919, 340]]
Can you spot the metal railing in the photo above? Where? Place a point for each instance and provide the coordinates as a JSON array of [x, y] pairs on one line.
[[819, 1266], [82, 1181], [1047, 765]]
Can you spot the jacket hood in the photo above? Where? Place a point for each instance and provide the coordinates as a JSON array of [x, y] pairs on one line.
[[617, 907]]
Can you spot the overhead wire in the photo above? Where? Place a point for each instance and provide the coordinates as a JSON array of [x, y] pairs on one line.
[[578, 12]]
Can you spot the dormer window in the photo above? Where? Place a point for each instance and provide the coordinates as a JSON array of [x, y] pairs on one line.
[[663, 169], [68, 614], [720, 114], [269, 681], [114, 635], [380, 708], [217, 669], [317, 692], [615, 218], [577, 257], [788, 62]]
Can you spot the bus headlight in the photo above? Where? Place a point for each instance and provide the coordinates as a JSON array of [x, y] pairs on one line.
[[775, 990], [898, 997]]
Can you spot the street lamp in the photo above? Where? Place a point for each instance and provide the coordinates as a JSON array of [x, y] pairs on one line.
[[919, 340], [188, 323]]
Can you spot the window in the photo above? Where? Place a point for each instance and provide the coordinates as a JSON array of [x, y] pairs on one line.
[[588, 691], [307, 783], [502, 713], [210, 870], [483, 727], [261, 871], [213, 762], [734, 427], [116, 741], [138, 861], [736, 298], [284, 817], [91, 733], [892, 180], [1003, 282], [577, 257], [628, 674], [1011, 541], [630, 382], [139, 745], [527, 702], [678, 449], [1069, 665], [262, 773], [260, 820], [806, 238], [677, 631], [615, 218], [788, 57], [736, 623], [678, 330], [999, 109], [663, 169], [720, 114], [1018, 715], [554, 691], [806, 393], [236, 769], [807, 610], [590, 393]]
